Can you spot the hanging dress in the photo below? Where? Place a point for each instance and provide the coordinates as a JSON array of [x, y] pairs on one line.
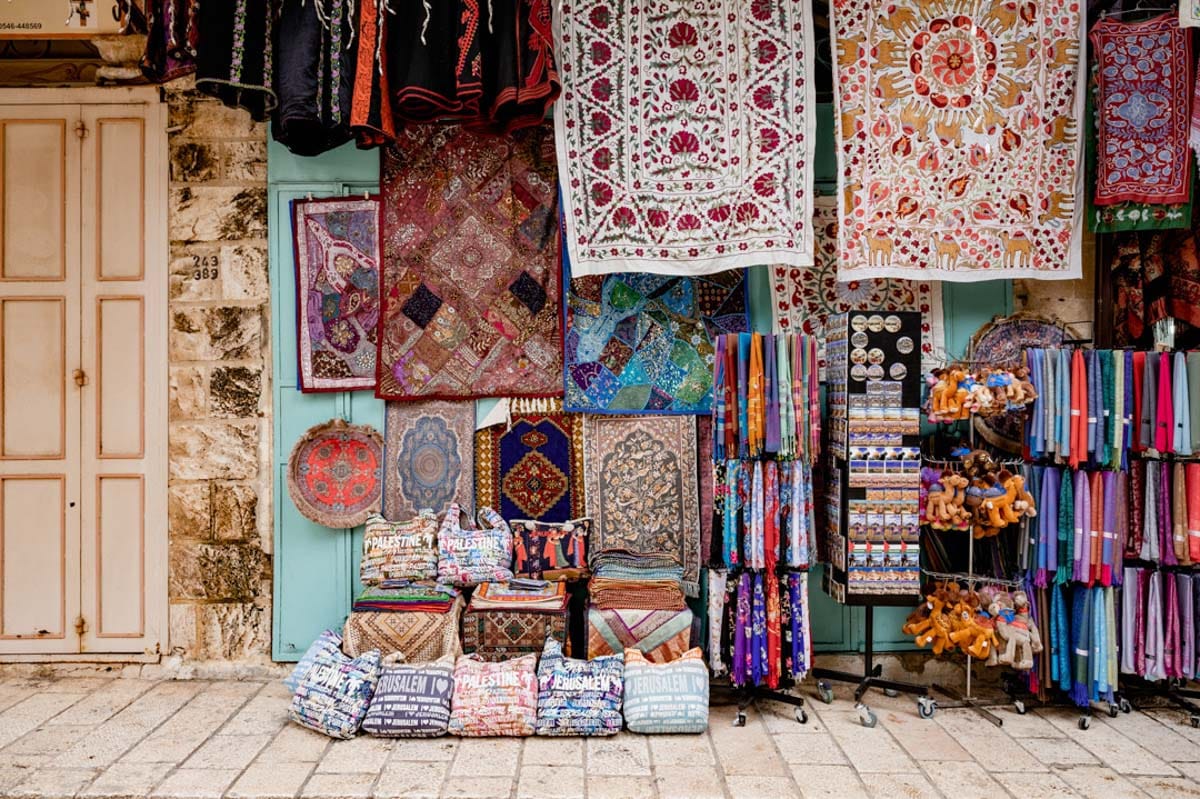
[[234, 54]]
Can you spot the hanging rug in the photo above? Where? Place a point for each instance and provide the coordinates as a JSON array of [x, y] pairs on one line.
[[335, 474]]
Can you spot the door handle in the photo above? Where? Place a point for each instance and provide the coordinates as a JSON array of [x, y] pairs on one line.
[[81, 378]]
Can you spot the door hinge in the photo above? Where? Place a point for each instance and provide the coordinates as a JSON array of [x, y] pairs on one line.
[[81, 129], [81, 378], [80, 625]]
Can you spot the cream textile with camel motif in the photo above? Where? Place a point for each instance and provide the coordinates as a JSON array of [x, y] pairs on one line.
[[959, 139]]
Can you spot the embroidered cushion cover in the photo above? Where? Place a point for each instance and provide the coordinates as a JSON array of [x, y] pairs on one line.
[[334, 695], [470, 557], [578, 697], [405, 550], [418, 636], [494, 698], [550, 551], [412, 700], [666, 697], [328, 641], [501, 634]]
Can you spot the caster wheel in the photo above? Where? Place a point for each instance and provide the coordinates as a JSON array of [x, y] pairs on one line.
[[740, 721], [801, 715], [825, 692], [1125, 706], [1194, 721], [1084, 722], [926, 707], [1019, 706], [891, 692], [866, 717], [1113, 712]]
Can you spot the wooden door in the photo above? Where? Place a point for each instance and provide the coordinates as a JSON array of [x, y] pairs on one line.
[[82, 379]]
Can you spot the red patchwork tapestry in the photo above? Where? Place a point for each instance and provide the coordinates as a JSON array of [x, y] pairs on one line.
[[471, 288], [1143, 72], [685, 134], [959, 147]]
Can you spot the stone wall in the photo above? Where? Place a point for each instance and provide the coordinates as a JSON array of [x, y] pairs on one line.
[[219, 441], [1071, 301]]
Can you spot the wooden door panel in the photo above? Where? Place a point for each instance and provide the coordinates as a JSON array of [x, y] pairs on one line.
[[33, 380], [121, 191], [120, 376], [34, 180], [34, 551], [120, 585]]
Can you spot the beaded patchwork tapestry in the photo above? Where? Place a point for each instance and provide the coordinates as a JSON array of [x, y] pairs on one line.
[[804, 296], [471, 277], [685, 134], [427, 446], [643, 343], [532, 469], [959, 146], [337, 292], [642, 487]]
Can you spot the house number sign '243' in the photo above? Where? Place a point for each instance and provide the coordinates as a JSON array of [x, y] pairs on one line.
[[205, 267]]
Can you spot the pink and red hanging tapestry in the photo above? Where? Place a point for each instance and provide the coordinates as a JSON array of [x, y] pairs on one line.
[[337, 292], [471, 288], [804, 296], [685, 134], [959, 145], [1143, 77]]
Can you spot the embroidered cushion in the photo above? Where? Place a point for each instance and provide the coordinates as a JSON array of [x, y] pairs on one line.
[[328, 641], [551, 551], [469, 557], [334, 695], [412, 700], [494, 698], [578, 697], [666, 697], [404, 550]]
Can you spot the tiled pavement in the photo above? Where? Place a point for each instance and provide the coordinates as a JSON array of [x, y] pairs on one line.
[[100, 737]]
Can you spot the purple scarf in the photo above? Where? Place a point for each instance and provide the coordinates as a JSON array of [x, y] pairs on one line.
[[741, 644]]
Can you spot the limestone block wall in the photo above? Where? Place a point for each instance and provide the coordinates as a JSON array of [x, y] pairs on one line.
[[1071, 301], [219, 443]]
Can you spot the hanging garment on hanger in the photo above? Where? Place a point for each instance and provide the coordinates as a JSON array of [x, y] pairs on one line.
[[743, 400], [1127, 423], [720, 399], [1129, 609], [1164, 432], [1106, 421], [1150, 536], [1099, 688], [1135, 511], [1179, 518], [1182, 442], [1187, 622], [1156, 666], [1149, 400], [1065, 408], [1049, 360], [1095, 408], [1140, 626], [771, 395], [1066, 529], [1083, 521], [1192, 365], [1172, 649], [1046, 561], [1079, 411], [1138, 379], [1095, 527], [758, 631], [1108, 528], [717, 578], [774, 631], [771, 516], [742, 655], [1192, 487], [1166, 533], [787, 406]]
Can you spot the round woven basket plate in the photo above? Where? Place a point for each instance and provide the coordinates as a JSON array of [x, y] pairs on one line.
[[335, 474], [1002, 343]]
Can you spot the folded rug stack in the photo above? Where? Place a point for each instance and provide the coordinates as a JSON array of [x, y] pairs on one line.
[[632, 580], [406, 597]]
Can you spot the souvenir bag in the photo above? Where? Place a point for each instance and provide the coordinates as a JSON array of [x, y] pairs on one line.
[[494, 698], [666, 697], [548, 551], [469, 557], [399, 550], [416, 636], [412, 700], [578, 697], [334, 695], [328, 641]]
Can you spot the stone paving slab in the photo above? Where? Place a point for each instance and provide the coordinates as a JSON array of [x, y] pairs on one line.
[[127, 737]]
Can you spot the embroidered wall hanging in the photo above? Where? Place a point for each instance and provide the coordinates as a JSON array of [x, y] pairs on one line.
[[959, 151], [335, 474], [804, 296], [429, 460], [655, 177], [337, 292], [532, 469], [1142, 153], [471, 278], [642, 488], [643, 343]]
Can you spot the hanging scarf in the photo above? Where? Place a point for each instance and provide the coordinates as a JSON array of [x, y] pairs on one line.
[[1116, 458], [1096, 527], [1035, 420], [1149, 549], [1111, 655], [1149, 399], [1172, 651], [787, 405], [1047, 524], [1081, 646], [800, 522], [1079, 411], [1122, 530], [720, 399], [1127, 432], [1192, 491], [1187, 630], [814, 399], [1179, 517], [1166, 543], [755, 555], [771, 394], [1106, 424], [1193, 381], [758, 632], [731, 555], [1083, 521], [756, 398], [1129, 608], [717, 579], [1136, 514], [1156, 665], [1098, 661], [774, 632], [1066, 400], [770, 516], [1095, 408], [743, 400], [801, 637], [1164, 419], [1049, 408], [1066, 530], [1182, 440], [1108, 526], [1139, 629], [1060, 662], [742, 655]]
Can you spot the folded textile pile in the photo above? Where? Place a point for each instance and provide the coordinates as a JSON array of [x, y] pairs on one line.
[[406, 597], [520, 595], [631, 580]]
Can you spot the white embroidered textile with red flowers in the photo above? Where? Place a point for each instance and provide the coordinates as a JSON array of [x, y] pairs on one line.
[[685, 134], [959, 147]]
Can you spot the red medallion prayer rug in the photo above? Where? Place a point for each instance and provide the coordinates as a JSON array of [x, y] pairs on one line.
[[685, 134], [1143, 72], [958, 139], [471, 279]]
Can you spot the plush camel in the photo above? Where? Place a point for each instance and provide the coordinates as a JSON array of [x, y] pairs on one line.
[[956, 484], [1021, 638]]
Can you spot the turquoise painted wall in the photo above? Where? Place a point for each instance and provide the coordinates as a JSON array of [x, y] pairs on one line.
[[316, 569]]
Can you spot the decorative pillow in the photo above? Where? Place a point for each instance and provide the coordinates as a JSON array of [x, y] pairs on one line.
[[666, 697], [469, 557], [417, 636], [551, 551], [399, 550], [334, 695], [578, 697], [494, 698], [412, 700], [328, 641]]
